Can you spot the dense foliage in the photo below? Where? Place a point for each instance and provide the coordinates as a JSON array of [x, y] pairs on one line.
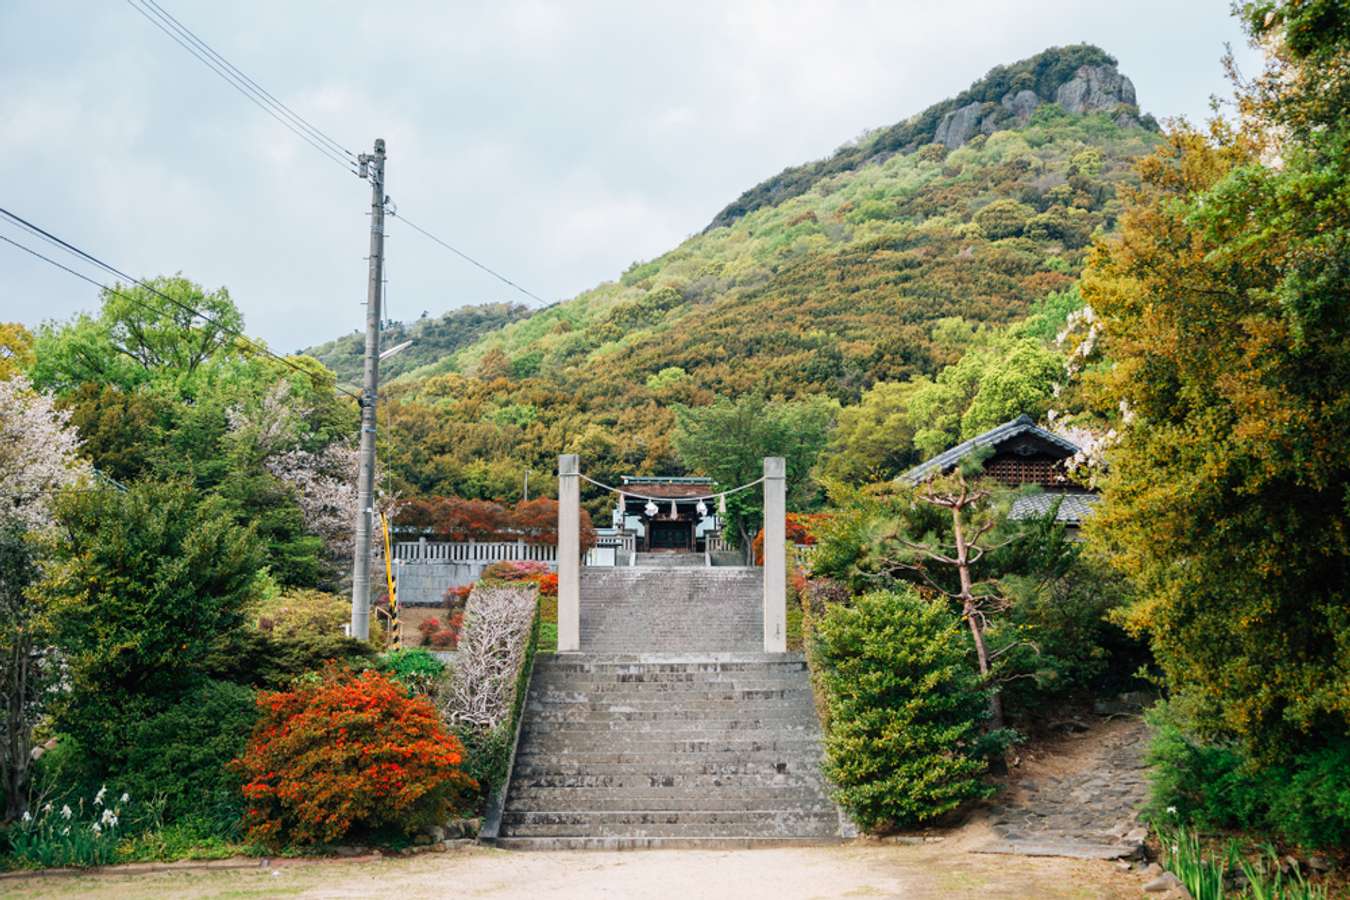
[[179, 758], [1223, 310], [344, 754], [1303, 798], [156, 393], [904, 743], [1224, 317], [433, 338], [143, 586]]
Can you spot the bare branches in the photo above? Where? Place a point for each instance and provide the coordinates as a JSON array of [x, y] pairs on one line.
[[497, 622]]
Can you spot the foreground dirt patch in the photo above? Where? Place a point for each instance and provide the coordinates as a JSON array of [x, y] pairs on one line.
[[853, 870]]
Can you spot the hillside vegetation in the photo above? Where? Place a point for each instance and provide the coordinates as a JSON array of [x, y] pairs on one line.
[[878, 273], [432, 339]]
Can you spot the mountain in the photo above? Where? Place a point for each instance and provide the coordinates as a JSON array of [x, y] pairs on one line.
[[828, 278], [432, 339], [1080, 78]]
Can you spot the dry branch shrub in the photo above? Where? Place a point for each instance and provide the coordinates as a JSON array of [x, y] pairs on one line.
[[492, 649], [347, 753]]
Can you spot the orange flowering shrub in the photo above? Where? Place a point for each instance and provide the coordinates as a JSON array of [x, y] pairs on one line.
[[799, 527], [347, 753]]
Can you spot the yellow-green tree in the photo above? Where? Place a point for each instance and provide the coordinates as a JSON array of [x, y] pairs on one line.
[[1223, 304]]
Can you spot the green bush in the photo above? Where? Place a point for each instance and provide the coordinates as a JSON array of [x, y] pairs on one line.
[[273, 661], [904, 743], [304, 611], [414, 668], [1303, 799], [144, 584], [178, 758]]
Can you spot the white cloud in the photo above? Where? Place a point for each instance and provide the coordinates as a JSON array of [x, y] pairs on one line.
[[556, 142]]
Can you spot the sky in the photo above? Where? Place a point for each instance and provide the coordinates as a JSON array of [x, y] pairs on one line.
[[557, 143]]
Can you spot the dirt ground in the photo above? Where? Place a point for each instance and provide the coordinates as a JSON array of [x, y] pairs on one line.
[[940, 870], [946, 868]]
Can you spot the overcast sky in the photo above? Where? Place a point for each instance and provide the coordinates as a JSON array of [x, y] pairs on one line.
[[556, 142]]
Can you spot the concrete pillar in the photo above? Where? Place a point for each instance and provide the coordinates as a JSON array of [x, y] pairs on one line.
[[775, 560], [569, 553]]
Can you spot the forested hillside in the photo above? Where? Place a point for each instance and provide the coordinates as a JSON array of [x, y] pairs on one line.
[[877, 271], [432, 339]]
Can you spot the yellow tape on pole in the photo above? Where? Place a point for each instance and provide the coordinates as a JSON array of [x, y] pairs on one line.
[[395, 632]]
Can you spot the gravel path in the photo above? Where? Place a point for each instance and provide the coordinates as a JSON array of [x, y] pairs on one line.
[[850, 870]]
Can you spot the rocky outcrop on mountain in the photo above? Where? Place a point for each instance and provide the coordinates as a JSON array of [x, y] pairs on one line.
[[1094, 89], [960, 125], [1080, 78], [1021, 104], [1098, 88]]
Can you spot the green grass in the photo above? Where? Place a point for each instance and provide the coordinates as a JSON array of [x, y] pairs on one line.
[[1202, 870]]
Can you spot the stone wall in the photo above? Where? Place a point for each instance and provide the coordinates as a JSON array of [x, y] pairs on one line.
[[424, 583]]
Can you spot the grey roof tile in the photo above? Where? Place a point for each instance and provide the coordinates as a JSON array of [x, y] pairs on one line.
[[948, 459]]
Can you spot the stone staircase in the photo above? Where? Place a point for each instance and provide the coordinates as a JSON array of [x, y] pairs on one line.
[[666, 559], [669, 729], [649, 609]]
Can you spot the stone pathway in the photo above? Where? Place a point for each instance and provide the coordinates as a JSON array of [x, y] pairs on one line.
[[1090, 811]]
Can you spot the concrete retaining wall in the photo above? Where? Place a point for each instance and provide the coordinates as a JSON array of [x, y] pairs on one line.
[[424, 583]]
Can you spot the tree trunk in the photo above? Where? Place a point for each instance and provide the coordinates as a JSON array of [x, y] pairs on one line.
[[972, 616], [17, 732]]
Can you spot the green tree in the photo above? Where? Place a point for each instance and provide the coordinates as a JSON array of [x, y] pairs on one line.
[[24, 679], [145, 582], [904, 743], [16, 349], [1224, 317], [138, 335], [1008, 376], [728, 440], [873, 440]]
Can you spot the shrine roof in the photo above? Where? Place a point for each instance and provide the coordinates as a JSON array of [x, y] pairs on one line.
[[1022, 425]]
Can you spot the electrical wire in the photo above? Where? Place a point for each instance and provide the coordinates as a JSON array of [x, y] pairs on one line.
[[331, 148], [248, 342], [300, 120], [239, 86], [466, 257]]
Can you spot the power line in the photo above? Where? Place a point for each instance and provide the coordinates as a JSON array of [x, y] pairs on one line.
[[241, 87], [266, 101], [300, 120], [466, 257], [249, 342]]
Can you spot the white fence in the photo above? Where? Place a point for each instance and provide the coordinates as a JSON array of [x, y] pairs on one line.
[[425, 551], [608, 546]]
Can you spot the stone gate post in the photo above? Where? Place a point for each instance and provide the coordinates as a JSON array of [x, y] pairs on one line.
[[775, 560], [569, 553]]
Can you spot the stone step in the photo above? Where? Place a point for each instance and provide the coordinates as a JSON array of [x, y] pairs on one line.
[[602, 745], [688, 767], [800, 798], [700, 728], [715, 823], [681, 720], [644, 782], [659, 843]]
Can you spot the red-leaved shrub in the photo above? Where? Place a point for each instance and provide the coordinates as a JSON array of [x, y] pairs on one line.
[[525, 570], [799, 527], [346, 753], [442, 636]]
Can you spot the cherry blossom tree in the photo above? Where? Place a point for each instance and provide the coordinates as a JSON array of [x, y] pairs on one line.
[[39, 457]]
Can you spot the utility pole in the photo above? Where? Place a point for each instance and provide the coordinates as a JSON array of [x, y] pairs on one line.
[[372, 167]]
